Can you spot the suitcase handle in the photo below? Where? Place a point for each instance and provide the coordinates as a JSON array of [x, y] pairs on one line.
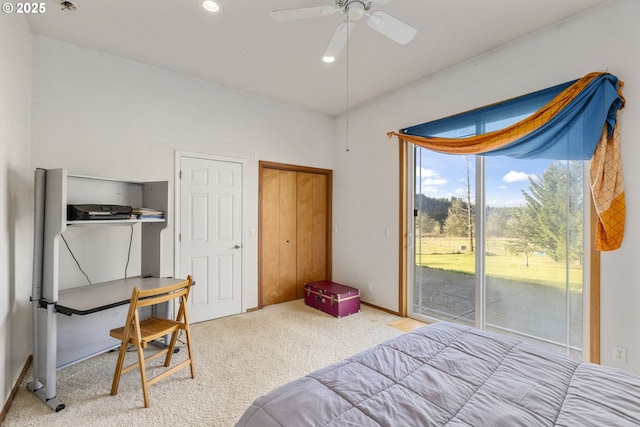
[[320, 297]]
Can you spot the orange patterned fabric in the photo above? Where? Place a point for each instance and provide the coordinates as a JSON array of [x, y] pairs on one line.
[[607, 189]]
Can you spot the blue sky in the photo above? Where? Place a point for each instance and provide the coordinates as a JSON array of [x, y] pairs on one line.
[[444, 175]]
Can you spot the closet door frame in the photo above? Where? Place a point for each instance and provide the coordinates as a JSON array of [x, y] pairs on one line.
[[262, 165]]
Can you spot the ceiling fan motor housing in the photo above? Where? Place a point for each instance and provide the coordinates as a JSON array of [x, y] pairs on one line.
[[355, 9], [342, 3]]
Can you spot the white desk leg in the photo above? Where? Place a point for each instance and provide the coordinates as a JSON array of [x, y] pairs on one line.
[[44, 359], [35, 384]]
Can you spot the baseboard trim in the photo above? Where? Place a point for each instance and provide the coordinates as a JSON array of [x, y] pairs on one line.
[[379, 308], [249, 310], [16, 387]]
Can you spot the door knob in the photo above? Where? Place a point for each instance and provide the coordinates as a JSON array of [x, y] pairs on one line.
[[237, 247]]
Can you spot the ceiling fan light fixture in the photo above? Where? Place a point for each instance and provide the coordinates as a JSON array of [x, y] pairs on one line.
[[355, 10], [212, 6]]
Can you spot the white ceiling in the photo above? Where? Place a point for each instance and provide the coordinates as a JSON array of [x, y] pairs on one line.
[[243, 48]]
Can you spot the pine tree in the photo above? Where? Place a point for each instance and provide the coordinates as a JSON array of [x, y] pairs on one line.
[[552, 221]]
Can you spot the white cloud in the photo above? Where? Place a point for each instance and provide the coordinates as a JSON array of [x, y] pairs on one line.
[[503, 187], [435, 181], [430, 179], [514, 176], [427, 173]]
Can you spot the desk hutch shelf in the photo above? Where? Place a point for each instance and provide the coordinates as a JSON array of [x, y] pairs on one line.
[[64, 331]]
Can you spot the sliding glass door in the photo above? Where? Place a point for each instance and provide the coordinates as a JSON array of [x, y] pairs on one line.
[[533, 250], [498, 244], [444, 282]]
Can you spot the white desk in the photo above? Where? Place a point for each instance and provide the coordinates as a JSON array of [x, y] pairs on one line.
[[102, 296]]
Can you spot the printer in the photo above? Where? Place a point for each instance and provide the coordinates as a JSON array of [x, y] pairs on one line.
[[94, 212]]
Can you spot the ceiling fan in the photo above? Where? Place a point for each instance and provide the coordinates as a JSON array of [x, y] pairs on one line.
[[382, 22]]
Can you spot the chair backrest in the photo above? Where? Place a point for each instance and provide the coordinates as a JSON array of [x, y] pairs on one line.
[[146, 297], [143, 298]]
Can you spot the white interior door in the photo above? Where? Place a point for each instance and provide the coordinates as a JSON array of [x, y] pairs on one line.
[[210, 235]]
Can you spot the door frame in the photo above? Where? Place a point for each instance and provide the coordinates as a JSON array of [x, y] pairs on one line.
[[178, 156], [294, 168]]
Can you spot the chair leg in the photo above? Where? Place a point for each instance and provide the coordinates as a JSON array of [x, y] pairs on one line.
[[187, 333], [116, 376], [143, 376], [172, 346]]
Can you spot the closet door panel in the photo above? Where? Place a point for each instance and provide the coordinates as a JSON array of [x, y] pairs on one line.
[[312, 229], [319, 230], [270, 256], [287, 248], [305, 217], [278, 236]]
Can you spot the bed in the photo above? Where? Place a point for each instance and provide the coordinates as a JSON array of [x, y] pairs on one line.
[[452, 375]]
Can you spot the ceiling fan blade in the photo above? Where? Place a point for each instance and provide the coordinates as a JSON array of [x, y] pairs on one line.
[[284, 15], [339, 39], [391, 27]]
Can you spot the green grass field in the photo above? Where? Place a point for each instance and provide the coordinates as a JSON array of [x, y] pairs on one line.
[[445, 253]]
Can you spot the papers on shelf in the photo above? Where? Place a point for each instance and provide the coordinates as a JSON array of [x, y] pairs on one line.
[[142, 213]]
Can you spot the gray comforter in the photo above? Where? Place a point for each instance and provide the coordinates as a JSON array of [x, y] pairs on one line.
[[451, 375]]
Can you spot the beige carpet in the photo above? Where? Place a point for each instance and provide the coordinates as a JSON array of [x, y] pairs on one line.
[[237, 359]]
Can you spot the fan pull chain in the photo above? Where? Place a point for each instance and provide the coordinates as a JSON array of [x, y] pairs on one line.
[[347, 95]]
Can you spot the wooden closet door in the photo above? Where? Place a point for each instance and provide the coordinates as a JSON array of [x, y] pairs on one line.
[[311, 218], [295, 230], [278, 234]]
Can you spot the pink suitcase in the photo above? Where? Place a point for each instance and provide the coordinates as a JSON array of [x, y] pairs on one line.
[[332, 298]]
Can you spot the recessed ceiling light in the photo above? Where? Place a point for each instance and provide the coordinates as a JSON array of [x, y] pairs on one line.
[[212, 6], [328, 59]]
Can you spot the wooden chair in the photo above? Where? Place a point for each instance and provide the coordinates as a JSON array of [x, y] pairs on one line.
[[139, 333]]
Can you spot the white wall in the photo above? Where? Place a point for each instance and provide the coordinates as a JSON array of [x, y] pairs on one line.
[[366, 178], [99, 115], [16, 200]]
